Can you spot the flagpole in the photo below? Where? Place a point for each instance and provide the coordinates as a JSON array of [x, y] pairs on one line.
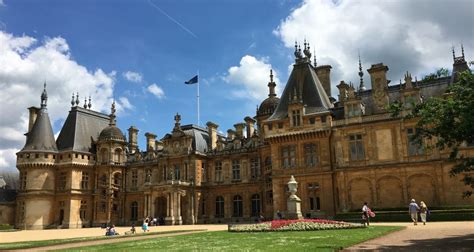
[[198, 119]]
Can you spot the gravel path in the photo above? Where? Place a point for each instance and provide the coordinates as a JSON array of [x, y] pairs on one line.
[[435, 236]]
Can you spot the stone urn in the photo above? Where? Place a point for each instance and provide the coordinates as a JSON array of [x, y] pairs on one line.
[[293, 202]]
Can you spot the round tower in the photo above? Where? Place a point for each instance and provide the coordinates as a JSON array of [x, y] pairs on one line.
[[111, 159], [36, 163]]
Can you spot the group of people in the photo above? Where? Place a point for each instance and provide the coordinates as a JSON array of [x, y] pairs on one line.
[[413, 208]]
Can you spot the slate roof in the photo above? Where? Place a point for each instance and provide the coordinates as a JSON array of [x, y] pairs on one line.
[[305, 82], [81, 126], [41, 137], [200, 137]]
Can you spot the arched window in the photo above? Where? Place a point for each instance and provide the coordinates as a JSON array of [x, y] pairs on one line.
[[237, 210], [117, 179], [219, 207], [104, 157], [118, 156], [103, 180], [134, 211], [256, 205]]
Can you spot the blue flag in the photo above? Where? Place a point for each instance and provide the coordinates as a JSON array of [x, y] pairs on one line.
[[193, 80]]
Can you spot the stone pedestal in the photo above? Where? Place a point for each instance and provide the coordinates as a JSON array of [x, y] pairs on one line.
[[293, 202]]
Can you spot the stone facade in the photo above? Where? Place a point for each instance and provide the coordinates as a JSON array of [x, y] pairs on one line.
[[342, 153]]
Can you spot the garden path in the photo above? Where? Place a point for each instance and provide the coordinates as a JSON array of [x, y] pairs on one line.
[[435, 236]]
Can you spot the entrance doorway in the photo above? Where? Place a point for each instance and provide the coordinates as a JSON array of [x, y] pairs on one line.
[[160, 207]]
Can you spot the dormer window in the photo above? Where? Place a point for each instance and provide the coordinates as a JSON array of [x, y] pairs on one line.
[[296, 116]]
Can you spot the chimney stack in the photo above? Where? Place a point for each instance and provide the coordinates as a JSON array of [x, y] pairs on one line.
[[150, 141], [250, 126], [212, 131], [133, 139], [324, 75], [239, 129], [230, 134], [33, 115]]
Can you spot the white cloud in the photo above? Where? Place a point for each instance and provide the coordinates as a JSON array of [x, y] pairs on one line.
[[125, 103], [405, 35], [156, 91], [2, 3], [26, 64], [133, 76], [251, 77]]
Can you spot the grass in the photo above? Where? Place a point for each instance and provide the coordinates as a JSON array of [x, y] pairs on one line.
[[35, 244], [327, 240]]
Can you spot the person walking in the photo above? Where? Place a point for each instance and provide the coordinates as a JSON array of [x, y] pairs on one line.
[[423, 212], [413, 210], [365, 214]]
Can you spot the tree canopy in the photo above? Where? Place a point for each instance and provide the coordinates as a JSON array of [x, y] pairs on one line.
[[449, 121]]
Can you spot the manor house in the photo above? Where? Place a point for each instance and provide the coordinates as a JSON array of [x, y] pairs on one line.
[[343, 152]]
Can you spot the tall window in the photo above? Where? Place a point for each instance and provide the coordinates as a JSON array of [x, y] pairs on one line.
[[148, 176], [237, 209], [356, 146], [235, 169], [203, 207], [83, 210], [104, 156], [296, 118], [255, 168], [219, 207], [134, 178], [117, 156], [203, 172], [103, 180], [414, 148], [310, 156], [218, 175], [102, 207], [134, 211], [268, 163], [23, 179], [288, 154], [177, 174], [314, 203], [62, 181], [117, 179], [256, 205], [85, 181]]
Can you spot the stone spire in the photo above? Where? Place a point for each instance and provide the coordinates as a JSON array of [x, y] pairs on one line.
[[72, 100], [44, 97], [112, 115], [271, 85], [462, 51], [361, 75]]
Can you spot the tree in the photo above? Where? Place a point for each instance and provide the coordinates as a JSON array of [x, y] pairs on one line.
[[442, 72], [449, 121]]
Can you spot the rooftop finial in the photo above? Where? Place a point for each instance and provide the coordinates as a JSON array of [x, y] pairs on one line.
[[361, 75], [462, 51], [90, 104], [315, 62], [44, 97], [177, 119], [307, 51], [85, 102], [72, 100], [454, 55], [112, 114], [271, 85], [77, 99]]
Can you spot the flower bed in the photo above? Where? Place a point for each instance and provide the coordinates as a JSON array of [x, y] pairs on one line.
[[293, 225]]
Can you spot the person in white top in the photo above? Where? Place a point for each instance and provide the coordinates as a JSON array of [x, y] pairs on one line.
[[365, 214]]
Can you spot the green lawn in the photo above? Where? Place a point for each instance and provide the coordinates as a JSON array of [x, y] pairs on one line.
[[328, 240], [35, 244]]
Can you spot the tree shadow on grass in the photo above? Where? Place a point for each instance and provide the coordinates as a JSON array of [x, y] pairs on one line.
[[450, 243]]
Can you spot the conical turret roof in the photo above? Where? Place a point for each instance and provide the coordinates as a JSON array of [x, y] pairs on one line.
[[303, 86], [41, 137]]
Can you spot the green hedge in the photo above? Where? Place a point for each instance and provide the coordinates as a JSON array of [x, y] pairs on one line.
[[5, 227], [402, 216]]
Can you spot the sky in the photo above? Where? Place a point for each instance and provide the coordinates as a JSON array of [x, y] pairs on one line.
[[140, 52]]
